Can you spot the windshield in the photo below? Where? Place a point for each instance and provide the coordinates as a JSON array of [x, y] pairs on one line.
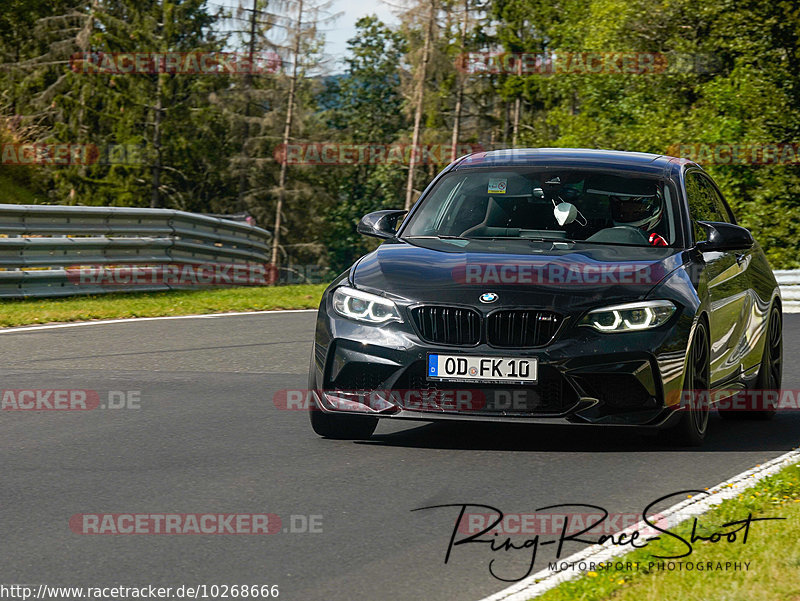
[[547, 204]]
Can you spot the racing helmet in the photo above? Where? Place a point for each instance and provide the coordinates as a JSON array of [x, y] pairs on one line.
[[641, 211]]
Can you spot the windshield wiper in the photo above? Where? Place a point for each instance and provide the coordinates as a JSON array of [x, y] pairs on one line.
[[526, 238], [440, 237], [553, 240]]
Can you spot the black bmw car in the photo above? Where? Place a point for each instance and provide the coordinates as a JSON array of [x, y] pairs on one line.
[[556, 286]]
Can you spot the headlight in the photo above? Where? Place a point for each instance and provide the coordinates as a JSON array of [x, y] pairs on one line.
[[630, 316], [363, 306]]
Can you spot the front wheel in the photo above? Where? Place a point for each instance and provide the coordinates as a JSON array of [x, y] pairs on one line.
[[691, 429], [342, 427]]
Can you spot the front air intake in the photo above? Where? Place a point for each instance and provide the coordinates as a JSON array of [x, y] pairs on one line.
[[448, 325], [520, 328]]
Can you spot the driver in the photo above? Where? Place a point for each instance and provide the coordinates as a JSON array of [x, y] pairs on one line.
[[640, 211]]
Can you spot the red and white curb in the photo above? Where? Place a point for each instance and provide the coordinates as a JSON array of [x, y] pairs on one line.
[[545, 580]]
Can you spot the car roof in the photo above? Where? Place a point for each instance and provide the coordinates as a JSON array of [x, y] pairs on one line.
[[568, 157]]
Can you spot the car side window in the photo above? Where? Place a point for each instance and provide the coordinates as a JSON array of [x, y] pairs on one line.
[[722, 208], [703, 203]]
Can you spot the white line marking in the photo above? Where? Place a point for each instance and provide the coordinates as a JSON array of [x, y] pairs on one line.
[[544, 580], [139, 319]]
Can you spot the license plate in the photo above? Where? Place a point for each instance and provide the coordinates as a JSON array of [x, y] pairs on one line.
[[482, 369]]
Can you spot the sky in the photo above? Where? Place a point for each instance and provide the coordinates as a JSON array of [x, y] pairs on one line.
[[344, 27]]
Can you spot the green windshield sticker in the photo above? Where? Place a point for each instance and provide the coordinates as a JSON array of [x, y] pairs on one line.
[[497, 185]]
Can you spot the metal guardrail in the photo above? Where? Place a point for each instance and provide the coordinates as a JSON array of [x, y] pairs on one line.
[[45, 248]]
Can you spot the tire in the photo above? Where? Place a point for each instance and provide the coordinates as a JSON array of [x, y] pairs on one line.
[[342, 427], [692, 427], [770, 374]]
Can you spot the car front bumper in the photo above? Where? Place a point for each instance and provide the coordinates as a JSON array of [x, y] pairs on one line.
[[585, 377]]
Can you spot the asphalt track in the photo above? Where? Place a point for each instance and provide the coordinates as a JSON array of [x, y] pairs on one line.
[[208, 438]]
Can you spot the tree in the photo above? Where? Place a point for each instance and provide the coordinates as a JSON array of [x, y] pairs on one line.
[[420, 76], [247, 102], [302, 50], [364, 107]]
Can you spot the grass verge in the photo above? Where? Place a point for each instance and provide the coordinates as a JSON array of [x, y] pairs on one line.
[[772, 548], [157, 304]]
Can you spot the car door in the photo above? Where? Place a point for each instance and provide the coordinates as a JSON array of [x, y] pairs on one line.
[[747, 352], [727, 277]]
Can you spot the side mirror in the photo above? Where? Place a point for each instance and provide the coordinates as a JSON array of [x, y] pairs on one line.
[[381, 224], [725, 236]]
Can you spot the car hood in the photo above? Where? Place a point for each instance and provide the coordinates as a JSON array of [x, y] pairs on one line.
[[520, 272]]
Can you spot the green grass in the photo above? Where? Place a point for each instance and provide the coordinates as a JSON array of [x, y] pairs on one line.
[[772, 548], [156, 304]]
